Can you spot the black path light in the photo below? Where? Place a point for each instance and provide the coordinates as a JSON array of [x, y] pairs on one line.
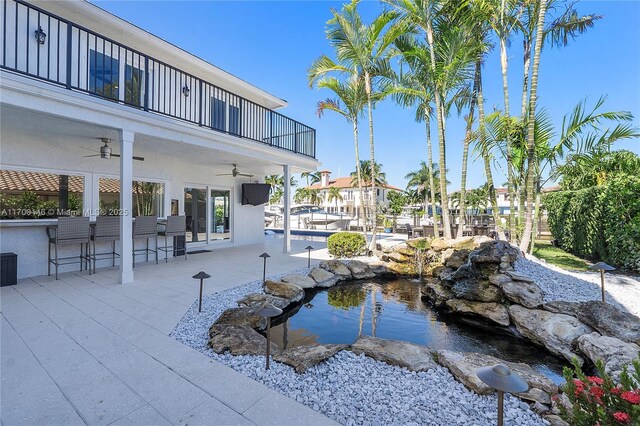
[[309, 248], [601, 266], [268, 311], [264, 256], [201, 276], [503, 380]]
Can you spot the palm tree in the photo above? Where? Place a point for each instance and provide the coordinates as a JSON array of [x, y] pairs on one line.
[[361, 50], [424, 181], [335, 195], [301, 195], [376, 177], [311, 177], [315, 197]]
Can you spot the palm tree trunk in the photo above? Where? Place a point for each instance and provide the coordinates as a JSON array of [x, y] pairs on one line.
[[525, 79], [536, 217], [358, 174], [432, 186], [495, 211], [531, 143], [444, 199], [372, 159], [465, 154], [504, 63]]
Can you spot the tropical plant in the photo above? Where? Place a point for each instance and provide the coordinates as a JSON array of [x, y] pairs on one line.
[[334, 195], [346, 244], [311, 177]]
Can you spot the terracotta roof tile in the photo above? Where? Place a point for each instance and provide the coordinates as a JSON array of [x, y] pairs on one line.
[[344, 182]]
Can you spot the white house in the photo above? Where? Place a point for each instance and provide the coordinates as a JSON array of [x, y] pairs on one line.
[[350, 203], [78, 82]]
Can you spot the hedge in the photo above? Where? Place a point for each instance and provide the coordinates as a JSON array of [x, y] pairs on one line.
[[346, 244], [599, 223]]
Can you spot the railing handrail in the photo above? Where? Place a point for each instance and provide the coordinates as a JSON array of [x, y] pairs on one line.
[[243, 103]]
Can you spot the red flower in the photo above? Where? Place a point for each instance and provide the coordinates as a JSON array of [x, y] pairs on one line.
[[596, 391], [631, 397], [621, 417], [595, 380], [615, 391]]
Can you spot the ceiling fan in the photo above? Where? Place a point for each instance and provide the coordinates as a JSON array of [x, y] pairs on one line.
[[105, 151], [235, 172]]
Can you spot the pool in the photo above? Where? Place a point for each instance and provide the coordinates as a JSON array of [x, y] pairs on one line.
[[395, 310]]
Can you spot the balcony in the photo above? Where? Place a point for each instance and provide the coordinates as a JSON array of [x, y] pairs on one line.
[[41, 45]]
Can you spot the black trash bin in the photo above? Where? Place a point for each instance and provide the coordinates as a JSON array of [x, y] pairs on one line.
[[8, 269]]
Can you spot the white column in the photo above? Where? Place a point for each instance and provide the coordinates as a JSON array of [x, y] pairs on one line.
[[287, 208], [126, 205]]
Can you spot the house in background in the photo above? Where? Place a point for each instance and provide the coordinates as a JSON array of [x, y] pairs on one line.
[[350, 202], [98, 114]]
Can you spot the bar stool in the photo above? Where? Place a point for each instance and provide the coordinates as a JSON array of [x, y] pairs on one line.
[[145, 227], [107, 229], [70, 230], [176, 227]]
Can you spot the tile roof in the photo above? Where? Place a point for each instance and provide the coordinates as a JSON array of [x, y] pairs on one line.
[[13, 181], [344, 182]]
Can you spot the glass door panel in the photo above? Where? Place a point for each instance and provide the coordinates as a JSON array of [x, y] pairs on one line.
[[220, 208], [195, 208]]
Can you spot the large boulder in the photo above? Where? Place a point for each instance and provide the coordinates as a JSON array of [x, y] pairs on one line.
[[493, 251], [524, 293], [287, 291], [323, 278], [337, 268], [255, 301], [242, 317], [463, 365], [612, 351], [300, 280], [463, 243], [303, 357], [360, 270], [610, 320], [494, 312], [398, 257], [394, 352], [404, 269], [517, 277], [556, 332], [436, 292], [456, 258], [562, 307], [475, 288], [237, 340]]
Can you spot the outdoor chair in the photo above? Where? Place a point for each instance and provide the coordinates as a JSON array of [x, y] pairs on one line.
[[176, 226], [70, 230], [145, 227], [107, 229], [428, 231], [411, 232]]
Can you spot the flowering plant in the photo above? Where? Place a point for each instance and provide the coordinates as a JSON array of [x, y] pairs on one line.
[[598, 400]]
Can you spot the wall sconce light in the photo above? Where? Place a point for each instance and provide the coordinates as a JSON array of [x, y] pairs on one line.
[[186, 90], [41, 36]]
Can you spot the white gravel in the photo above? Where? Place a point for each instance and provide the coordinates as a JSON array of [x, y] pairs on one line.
[[575, 286], [355, 389]]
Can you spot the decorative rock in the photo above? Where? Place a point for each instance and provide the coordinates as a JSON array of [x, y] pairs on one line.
[[303, 357], [518, 277], [474, 289], [394, 352], [360, 270], [457, 259], [506, 266], [238, 340], [323, 278], [527, 294], [493, 251], [562, 307], [463, 366], [612, 351], [436, 292], [241, 317], [287, 291], [256, 301], [300, 280], [337, 268], [556, 332], [499, 279], [491, 311], [398, 257], [610, 320], [555, 420], [402, 268]]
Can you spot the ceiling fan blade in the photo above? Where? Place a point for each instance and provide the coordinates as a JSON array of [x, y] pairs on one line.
[[245, 175], [224, 174], [88, 149], [138, 158], [95, 155]]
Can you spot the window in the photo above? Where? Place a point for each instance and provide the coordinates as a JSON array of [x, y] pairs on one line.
[[218, 114], [234, 120], [133, 85], [36, 195], [147, 198], [195, 208], [220, 214], [104, 74]]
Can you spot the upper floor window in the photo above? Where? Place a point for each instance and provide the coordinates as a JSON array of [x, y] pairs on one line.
[[104, 74], [133, 85]]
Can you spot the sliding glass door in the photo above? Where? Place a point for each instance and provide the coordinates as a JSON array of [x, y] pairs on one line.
[[195, 208], [220, 216]]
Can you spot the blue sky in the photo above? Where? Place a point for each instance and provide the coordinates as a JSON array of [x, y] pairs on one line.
[[272, 43]]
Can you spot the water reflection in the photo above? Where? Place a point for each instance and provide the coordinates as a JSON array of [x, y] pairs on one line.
[[395, 310]]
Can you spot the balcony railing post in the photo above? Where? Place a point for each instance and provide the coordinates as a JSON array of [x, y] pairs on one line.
[[295, 136], [146, 83], [200, 102], [270, 127], [69, 44]]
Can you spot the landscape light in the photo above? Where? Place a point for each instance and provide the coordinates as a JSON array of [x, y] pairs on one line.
[[201, 276], [268, 311], [601, 266], [503, 380]]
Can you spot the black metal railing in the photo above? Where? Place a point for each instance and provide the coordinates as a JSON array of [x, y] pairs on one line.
[[44, 46]]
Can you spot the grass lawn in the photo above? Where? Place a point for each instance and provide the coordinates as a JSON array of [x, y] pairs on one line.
[[557, 256]]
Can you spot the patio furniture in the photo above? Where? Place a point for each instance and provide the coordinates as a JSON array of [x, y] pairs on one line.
[[413, 232], [106, 229], [145, 227], [428, 231], [176, 226], [70, 230]]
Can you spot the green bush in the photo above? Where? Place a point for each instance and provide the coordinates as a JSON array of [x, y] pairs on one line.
[[346, 244], [599, 223]]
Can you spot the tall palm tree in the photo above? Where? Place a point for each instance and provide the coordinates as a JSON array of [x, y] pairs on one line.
[[335, 195], [424, 181], [312, 177], [373, 176], [361, 50], [301, 195]]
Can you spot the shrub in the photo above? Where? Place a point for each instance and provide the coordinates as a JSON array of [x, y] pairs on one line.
[[598, 400], [346, 244], [601, 222]]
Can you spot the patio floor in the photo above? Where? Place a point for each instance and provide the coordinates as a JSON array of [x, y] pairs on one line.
[[87, 350]]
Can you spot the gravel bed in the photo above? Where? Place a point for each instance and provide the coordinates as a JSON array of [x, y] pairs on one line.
[[352, 389], [575, 286]]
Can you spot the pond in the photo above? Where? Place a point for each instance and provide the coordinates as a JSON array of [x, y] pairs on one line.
[[395, 310]]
